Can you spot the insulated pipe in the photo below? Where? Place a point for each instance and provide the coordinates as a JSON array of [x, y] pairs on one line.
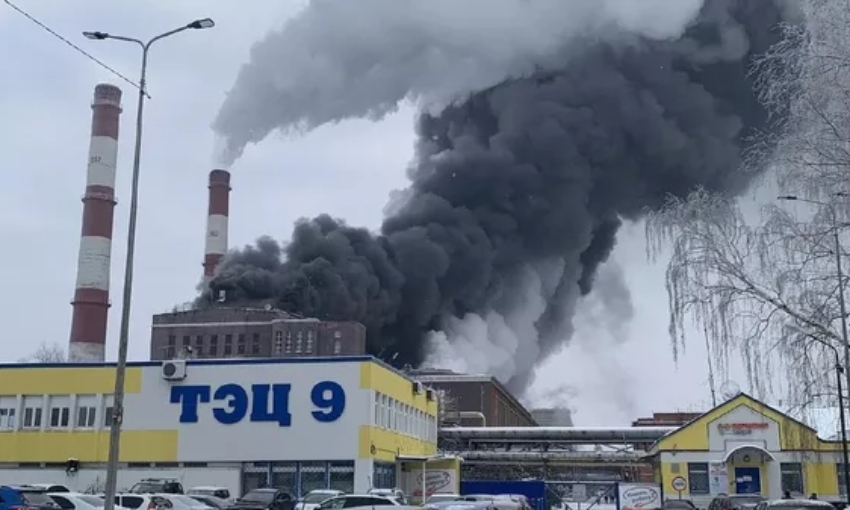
[[589, 434], [91, 294]]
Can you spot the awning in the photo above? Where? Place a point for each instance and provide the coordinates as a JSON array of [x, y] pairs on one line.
[[748, 447]]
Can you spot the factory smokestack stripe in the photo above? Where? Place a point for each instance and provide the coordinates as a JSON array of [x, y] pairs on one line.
[[219, 209], [91, 297]]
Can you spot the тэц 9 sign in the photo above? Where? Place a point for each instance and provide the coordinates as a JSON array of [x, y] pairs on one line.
[[262, 403]]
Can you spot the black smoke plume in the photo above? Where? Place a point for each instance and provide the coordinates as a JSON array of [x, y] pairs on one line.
[[537, 168]]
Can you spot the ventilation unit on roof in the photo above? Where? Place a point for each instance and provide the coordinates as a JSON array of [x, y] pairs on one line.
[[418, 388], [173, 370]]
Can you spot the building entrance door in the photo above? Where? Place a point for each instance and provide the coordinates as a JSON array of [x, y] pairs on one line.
[[747, 480]]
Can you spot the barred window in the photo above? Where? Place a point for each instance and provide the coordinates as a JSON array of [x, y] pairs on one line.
[[698, 477], [792, 477]]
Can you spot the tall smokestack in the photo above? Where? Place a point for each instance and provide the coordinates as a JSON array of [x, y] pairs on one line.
[[219, 209], [91, 297]]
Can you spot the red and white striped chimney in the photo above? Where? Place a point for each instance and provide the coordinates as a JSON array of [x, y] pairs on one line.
[[91, 297], [219, 209]]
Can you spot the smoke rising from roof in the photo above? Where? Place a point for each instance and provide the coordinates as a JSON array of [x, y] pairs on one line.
[[577, 117]]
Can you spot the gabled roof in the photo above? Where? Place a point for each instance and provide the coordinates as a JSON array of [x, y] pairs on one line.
[[745, 397]]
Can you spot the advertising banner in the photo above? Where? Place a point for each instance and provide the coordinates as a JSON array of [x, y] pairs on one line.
[[639, 496], [718, 478], [436, 481]]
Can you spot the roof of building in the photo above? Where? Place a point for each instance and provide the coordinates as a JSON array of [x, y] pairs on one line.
[[216, 362]]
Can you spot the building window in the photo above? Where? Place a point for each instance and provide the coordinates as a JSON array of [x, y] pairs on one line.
[[60, 417], [278, 342], [241, 345], [213, 345], [255, 345], [199, 346], [839, 468], [172, 346], [792, 477], [289, 342], [377, 409], [698, 477], [299, 339], [311, 337], [86, 417], [337, 346], [7, 418], [228, 345], [187, 344], [107, 416]]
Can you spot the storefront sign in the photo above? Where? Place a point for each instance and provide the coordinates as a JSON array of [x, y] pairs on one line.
[[639, 496], [260, 403], [718, 478], [741, 429]]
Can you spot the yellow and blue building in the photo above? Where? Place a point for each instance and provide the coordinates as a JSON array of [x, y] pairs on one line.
[[745, 446], [344, 422]]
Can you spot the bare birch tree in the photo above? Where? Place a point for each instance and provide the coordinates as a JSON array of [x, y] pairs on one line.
[[753, 288], [46, 353]]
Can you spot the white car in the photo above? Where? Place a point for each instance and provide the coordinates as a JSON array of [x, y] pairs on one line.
[[355, 500], [396, 494], [77, 501], [183, 502], [143, 502], [218, 492], [313, 499]]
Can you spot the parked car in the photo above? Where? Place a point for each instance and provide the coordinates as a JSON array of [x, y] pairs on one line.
[[77, 501], [795, 504], [736, 502], [183, 502], [396, 494], [313, 499], [143, 502], [218, 492], [678, 504], [460, 505], [439, 498], [264, 499], [356, 500], [157, 486], [211, 501], [50, 487], [25, 497]]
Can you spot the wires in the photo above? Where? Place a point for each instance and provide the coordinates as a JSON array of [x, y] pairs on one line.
[[69, 43]]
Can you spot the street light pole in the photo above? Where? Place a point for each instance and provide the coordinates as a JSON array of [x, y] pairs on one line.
[[124, 333]]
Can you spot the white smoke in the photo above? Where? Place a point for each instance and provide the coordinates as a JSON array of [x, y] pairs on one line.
[[340, 59], [499, 344]]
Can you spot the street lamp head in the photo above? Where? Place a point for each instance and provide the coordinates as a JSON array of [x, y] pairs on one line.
[[201, 23], [787, 197], [96, 36]]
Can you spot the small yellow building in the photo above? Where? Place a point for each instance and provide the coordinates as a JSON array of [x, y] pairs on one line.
[[744, 446]]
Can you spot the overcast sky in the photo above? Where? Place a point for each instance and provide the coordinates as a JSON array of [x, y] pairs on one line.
[[347, 170]]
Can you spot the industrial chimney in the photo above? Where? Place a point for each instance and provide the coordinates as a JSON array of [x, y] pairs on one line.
[[91, 297], [219, 208]]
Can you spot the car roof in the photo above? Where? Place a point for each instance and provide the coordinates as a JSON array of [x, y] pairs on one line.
[[25, 487], [264, 489], [798, 502], [69, 494], [326, 491], [208, 488]]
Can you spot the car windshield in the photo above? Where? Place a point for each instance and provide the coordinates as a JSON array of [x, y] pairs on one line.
[[38, 498], [259, 497], [317, 497], [92, 500]]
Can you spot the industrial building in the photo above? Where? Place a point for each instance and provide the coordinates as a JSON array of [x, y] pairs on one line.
[[744, 446], [223, 332], [475, 400], [346, 423]]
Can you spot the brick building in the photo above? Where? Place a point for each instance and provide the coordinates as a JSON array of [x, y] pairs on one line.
[[476, 400], [247, 332]]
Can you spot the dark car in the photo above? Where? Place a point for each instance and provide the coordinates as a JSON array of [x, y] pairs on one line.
[[157, 486], [678, 504], [736, 502], [264, 499], [211, 501], [25, 497]]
